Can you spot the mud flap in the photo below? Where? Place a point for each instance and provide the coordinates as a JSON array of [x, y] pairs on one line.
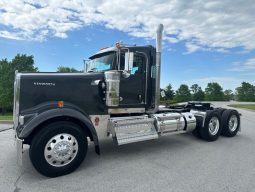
[[19, 150]]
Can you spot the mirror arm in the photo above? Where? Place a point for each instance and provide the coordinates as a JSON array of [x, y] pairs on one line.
[[85, 65], [124, 48]]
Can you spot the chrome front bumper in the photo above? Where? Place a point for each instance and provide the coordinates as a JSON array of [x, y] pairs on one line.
[[19, 149]]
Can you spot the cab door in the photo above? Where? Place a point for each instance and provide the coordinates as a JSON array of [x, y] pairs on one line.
[[132, 88]]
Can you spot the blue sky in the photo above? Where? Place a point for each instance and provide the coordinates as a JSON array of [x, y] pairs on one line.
[[202, 42]]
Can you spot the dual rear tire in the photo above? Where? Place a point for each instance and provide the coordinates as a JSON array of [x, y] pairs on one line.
[[217, 122], [230, 123]]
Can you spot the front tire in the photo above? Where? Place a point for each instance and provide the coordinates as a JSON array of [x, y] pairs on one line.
[[58, 149], [212, 126]]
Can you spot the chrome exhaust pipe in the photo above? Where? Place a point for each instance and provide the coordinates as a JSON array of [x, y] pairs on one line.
[[158, 65]]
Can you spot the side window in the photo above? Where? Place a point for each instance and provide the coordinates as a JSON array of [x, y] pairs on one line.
[[138, 65]]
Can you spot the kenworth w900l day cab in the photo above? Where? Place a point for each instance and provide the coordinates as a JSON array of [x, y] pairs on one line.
[[117, 97]]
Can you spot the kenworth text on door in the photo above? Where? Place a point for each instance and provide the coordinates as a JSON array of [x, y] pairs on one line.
[[116, 97]]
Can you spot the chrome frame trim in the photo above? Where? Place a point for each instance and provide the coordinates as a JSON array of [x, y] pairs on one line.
[[125, 110]]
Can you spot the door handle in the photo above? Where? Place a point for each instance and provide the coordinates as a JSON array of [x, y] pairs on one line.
[[140, 98]]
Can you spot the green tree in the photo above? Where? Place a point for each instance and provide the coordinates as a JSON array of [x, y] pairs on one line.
[[228, 95], [246, 92], [197, 93], [169, 92], [214, 92], [4, 84], [22, 63], [183, 93], [63, 69]]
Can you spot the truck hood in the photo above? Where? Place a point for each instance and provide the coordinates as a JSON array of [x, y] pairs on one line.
[[78, 89]]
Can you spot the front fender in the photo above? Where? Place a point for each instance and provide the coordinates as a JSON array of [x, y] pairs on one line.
[[58, 112]]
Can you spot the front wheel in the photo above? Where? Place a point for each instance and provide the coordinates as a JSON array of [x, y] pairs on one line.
[[58, 149]]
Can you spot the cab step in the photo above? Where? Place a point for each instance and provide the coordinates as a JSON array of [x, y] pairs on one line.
[[132, 129]]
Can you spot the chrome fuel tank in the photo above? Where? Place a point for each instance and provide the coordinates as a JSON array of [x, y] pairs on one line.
[[191, 121], [172, 122], [169, 122]]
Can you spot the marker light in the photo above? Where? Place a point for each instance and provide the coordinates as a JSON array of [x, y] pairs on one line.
[[60, 104]]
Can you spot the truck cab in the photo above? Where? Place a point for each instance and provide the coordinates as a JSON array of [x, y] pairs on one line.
[[133, 66]]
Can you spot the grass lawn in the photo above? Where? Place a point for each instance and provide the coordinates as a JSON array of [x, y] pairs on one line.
[[244, 106], [7, 116]]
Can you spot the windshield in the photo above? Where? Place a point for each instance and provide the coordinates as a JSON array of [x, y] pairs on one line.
[[100, 62]]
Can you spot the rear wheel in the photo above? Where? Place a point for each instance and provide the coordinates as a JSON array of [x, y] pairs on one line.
[[58, 149], [230, 123], [212, 126]]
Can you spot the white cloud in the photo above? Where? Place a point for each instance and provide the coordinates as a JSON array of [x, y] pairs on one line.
[[203, 25], [247, 66], [8, 35], [192, 47]]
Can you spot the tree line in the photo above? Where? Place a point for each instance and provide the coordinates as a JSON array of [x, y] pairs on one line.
[[7, 73], [213, 91]]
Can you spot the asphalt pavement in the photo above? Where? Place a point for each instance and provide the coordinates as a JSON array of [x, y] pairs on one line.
[[179, 163]]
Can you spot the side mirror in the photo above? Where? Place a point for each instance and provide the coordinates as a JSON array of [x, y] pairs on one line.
[[163, 93], [129, 60]]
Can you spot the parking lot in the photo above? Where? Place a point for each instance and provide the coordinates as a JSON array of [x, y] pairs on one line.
[[171, 163]]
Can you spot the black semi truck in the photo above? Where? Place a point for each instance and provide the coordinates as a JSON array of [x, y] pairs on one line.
[[117, 96]]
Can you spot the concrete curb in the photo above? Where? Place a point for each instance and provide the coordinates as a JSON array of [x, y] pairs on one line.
[[242, 108], [6, 122]]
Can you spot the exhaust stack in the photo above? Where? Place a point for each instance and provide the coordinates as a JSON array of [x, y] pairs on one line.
[[158, 65]]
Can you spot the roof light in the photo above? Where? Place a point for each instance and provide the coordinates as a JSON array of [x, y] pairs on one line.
[[118, 45]]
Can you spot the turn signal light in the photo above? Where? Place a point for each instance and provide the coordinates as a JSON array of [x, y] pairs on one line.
[[60, 104]]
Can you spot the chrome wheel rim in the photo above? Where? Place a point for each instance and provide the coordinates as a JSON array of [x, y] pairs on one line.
[[214, 125], [61, 150], [232, 123]]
